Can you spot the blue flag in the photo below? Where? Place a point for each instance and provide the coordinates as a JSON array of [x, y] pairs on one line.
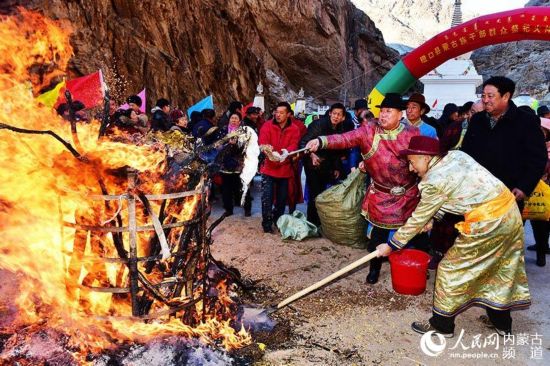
[[207, 102]]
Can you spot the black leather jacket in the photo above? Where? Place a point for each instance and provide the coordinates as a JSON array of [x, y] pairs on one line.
[[331, 159]]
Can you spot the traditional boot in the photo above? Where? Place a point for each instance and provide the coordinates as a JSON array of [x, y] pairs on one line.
[[541, 256], [425, 327], [374, 271], [534, 248]]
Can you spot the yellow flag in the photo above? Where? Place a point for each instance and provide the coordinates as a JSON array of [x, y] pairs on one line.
[[50, 97]]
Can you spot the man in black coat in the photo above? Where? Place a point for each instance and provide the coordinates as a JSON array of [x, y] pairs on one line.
[[506, 140], [251, 118], [324, 166], [161, 118]]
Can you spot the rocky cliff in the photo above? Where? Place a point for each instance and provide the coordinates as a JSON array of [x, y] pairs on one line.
[[526, 62], [409, 22], [188, 49]]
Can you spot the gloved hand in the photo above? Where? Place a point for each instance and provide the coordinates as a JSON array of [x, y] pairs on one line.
[[284, 155]]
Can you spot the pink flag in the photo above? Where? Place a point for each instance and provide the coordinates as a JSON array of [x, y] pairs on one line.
[[142, 108]]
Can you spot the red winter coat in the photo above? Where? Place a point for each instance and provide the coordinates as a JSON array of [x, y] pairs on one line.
[[279, 138]]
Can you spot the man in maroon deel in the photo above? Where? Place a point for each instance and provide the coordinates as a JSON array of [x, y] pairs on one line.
[[393, 193]]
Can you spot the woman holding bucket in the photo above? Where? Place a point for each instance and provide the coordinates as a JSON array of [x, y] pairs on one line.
[[486, 264]]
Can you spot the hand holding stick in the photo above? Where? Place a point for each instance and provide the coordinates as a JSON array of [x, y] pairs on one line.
[[280, 157], [383, 250], [313, 145]]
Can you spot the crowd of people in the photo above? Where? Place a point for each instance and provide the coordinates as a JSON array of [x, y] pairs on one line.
[[467, 185], [453, 186]]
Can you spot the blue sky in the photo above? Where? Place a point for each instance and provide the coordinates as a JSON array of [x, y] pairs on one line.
[[483, 7]]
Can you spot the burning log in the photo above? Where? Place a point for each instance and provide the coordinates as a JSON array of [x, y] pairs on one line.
[[72, 119], [154, 243], [69, 147], [105, 116]]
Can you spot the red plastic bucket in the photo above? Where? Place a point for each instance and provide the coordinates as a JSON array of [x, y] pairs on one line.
[[408, 271]]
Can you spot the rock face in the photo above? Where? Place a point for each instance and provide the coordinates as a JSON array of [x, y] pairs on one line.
[[409, 22], [188, 49], [525, 62]]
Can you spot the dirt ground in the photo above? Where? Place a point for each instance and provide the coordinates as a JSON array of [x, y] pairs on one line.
[[352, 323]]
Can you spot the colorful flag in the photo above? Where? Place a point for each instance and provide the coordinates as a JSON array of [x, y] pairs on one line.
[[88, 89], [143, 108], [50, 97], [206, 103]]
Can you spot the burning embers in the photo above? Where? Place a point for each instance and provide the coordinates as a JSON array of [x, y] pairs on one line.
[[109, 239]]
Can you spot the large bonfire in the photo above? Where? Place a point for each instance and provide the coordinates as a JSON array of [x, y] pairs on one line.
[[47, 199]]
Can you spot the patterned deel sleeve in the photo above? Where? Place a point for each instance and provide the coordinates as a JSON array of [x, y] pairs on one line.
[[344, 141], [431, 200]]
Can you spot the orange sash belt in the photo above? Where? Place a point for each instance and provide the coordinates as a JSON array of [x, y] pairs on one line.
[[490, 210]]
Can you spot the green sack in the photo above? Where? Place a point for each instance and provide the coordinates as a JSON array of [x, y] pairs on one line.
[[296, 226], [339, 209]]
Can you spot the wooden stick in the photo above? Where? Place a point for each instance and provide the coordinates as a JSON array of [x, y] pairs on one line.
[[154, 245], [105, 119], [205, 252], [157, 225], [132, 260], [69, 147], [326, 280], [72, 119], [305, 149]]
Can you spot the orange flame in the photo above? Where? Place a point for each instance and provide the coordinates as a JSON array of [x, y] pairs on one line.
[[44, 185], [39, 51]]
